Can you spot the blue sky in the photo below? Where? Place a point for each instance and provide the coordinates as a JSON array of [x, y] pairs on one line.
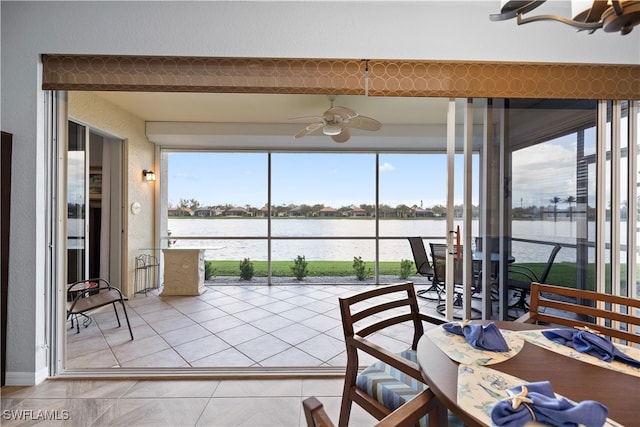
[[540, 173], [331, 179]]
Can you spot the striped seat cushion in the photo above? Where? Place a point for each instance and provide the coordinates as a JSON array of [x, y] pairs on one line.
[[388, 385], [392, 388]]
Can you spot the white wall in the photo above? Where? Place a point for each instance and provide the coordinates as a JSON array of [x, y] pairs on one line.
[[342, 29]]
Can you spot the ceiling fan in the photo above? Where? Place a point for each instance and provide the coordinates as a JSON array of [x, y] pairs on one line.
[[336, 121]]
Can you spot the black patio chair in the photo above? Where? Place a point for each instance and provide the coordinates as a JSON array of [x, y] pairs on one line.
[[521, 277], [425, 268]]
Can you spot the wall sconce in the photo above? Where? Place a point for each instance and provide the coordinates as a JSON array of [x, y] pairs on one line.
[[148, 175]]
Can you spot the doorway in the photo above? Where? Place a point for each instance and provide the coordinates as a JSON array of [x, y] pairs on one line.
[[94, 200]]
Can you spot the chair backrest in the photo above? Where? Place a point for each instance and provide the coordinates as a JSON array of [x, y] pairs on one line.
[[423, 266], [547, 267], [614, 316], [364, 313], [439, 256]]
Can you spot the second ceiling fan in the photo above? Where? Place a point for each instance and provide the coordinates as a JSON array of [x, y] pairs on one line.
[[336, 121]]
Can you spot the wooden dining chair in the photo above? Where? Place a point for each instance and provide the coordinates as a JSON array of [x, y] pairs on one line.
[[393, 379], [614, 316], [87, 295], [407, 415]]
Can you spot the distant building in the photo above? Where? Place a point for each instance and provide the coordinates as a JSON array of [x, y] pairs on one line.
[[205, 212], [420, 212], [328, 211], [180, 212], [237, 211], [358, 212], [265, 211], [295, 211]]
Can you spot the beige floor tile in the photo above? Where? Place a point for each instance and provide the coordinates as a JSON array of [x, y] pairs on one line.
[[166, 313], [293, 357], [201, 347], [184, 335], [230, 358], [87, 345], [167, 358], [138, 348], [240, 334], [121, 336], [263, 347], [322, 347], [173, 388], [273, 323], [253, 411], [95, 360], [295, 333], [259, 388], [173, 323], [222, 323], [322, 387], [171, 412], [205, 315]]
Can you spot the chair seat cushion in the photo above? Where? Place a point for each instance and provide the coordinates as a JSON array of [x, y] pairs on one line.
[[388, 385], [392, 387]]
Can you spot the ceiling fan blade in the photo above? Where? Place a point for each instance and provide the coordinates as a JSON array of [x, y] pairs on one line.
[[309, 129], [365, 123], [342, 136], [306, 119], [344, 112]]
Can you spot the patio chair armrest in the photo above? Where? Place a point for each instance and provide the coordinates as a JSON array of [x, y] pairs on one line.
[[525, 318], [521, 270], [410, 412], [431, 319]]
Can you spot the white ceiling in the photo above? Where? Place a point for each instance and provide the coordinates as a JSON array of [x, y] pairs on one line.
[[259, 121], [267, 108]]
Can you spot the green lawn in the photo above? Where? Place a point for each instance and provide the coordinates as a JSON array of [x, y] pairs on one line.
[[561, 274]]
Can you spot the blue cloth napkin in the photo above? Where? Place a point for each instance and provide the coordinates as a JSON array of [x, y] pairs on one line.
[[590, 343], [548, 409], [481, 337]]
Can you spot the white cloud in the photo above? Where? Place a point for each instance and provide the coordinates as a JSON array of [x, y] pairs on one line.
[[384, 167]]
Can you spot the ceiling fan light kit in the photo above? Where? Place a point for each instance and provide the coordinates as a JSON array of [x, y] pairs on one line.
[[336, 121], [588, 15]]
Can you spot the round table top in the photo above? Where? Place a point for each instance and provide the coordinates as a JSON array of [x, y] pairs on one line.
[[570, 378]]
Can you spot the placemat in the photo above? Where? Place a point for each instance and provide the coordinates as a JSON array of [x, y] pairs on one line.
[[536, 337], [480, 387], [459, 350]]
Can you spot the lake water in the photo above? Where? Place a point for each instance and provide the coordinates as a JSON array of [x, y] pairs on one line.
[[392, 247]]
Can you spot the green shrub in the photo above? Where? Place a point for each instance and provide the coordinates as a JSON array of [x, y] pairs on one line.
[[405, 268], [360, 268], [300, 267], [246, 269], [209, 270]]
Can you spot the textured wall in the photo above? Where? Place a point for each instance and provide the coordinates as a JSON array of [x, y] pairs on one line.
[[89, 108]]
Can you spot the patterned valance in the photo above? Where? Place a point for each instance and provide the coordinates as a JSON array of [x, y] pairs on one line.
[[451, 79]]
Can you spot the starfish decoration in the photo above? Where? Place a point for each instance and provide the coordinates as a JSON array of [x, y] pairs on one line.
[[520, 398], [588, 329], [463, 323]]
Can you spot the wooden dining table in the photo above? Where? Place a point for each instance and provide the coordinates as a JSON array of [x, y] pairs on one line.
[[570, 378]]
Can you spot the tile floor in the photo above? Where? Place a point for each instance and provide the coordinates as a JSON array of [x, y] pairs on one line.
[[229, 326], [177, 403]]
